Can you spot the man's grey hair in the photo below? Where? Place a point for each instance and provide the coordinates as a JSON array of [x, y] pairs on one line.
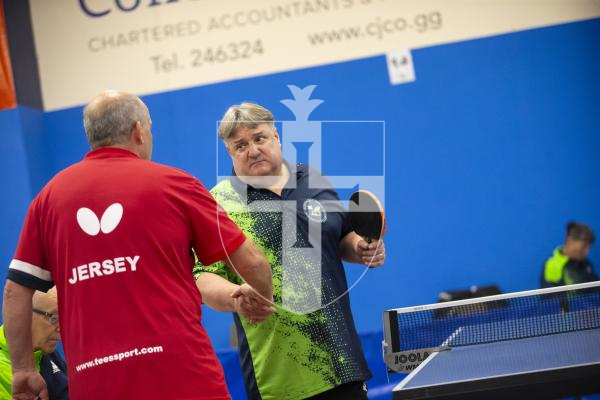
[[247, 115], [110, 117]]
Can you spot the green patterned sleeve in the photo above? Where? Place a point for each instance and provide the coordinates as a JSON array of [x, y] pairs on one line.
[[228, 198], [218, 268]]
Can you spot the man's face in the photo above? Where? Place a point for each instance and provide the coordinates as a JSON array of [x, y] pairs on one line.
[[255, 151], [45, 334], [580, 249]]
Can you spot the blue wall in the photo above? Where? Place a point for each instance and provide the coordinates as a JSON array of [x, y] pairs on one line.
[[14, 175], [488, 155]]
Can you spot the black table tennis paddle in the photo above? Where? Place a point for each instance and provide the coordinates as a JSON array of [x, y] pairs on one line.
[[367, 216]]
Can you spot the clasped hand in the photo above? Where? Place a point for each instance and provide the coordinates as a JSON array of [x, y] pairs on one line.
[[251, 305]]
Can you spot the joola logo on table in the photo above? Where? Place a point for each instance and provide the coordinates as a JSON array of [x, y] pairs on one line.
[[404, 358]]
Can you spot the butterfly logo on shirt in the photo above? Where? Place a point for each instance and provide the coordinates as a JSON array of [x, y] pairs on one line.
[[92, 225]]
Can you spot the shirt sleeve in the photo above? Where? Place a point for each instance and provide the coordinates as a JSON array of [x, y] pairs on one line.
[[29, 267], [218, 268], [346, 227], [214, 234], [329, 193]]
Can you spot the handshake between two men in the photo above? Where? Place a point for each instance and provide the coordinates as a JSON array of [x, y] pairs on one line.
[[248, 303], [252, 300]]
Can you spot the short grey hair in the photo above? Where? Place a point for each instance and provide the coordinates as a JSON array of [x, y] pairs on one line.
[[110, 117], [247, 115]]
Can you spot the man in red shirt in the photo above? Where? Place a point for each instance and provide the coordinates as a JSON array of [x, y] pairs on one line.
[[115, 234]]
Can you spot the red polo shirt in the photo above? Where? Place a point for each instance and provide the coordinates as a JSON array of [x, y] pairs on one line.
[[114, 233]]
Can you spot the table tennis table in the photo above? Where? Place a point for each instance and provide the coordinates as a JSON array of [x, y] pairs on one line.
[[553, 366], [546, 365]]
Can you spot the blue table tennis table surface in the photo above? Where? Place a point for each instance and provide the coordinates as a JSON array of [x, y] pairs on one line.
[[552, 364]]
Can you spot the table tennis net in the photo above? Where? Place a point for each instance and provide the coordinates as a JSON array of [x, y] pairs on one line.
[[498, 318]]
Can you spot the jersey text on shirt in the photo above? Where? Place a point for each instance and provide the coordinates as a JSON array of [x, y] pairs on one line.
[[106, 267]]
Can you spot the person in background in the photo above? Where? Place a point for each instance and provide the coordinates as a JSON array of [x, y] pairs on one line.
[[569, 263], [45, 333]]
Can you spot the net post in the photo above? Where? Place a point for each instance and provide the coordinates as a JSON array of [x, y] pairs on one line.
[[390, 331]]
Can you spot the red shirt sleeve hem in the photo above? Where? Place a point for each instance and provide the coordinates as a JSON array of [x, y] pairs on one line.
[[230, 247]]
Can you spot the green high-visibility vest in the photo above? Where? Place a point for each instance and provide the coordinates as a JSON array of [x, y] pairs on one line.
[[5, 367], [554, 270]]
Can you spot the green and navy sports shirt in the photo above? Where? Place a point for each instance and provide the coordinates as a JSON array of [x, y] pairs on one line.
[[292, 356]]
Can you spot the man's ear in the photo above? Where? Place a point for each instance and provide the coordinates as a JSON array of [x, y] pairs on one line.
[[276, 134], [137, 133]]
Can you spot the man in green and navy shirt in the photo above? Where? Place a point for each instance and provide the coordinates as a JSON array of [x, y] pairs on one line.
[[288, 355], [569, 263]]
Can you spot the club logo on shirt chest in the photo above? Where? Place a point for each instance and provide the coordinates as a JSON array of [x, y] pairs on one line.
[[314, 210]]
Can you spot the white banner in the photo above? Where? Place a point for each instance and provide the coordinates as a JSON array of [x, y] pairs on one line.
[[148, 46]]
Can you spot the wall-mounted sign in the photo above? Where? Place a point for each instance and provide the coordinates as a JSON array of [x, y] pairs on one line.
[[148, 46]]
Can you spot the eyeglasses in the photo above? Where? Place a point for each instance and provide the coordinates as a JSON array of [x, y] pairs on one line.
[[52, 318]]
